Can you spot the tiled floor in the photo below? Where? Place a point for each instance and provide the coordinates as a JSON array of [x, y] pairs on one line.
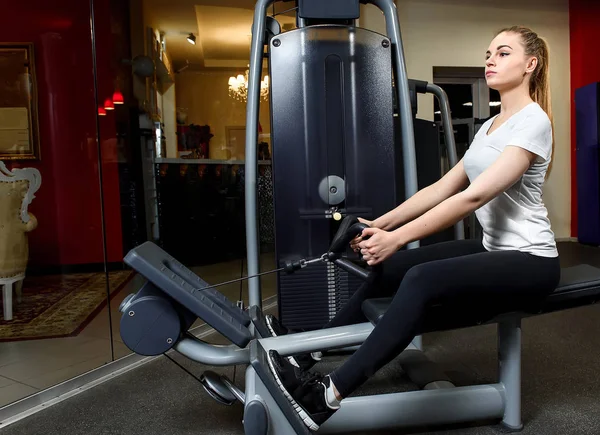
[[27, 367]]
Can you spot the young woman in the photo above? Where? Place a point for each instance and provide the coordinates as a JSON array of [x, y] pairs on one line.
[[500, 178]]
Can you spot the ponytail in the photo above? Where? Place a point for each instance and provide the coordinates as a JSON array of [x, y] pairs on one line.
[[539, 84]]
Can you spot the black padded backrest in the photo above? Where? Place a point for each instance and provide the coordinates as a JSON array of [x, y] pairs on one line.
[[181, 284], [579, 285], [578, 277]]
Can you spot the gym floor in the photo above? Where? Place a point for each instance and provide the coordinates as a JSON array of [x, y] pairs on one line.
[[560, 377], [30, 366]]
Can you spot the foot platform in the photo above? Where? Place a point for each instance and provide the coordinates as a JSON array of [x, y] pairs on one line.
[[191, 292], [258, 360]]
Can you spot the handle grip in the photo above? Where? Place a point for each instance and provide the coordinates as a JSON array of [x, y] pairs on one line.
[[350, 228], [420, 85], [354, 269]]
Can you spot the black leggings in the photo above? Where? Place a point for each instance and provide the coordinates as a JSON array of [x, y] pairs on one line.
[[443, 273]]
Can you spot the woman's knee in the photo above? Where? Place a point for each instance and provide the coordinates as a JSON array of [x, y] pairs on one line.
[[420, 274], [420, 282], [392, 272]]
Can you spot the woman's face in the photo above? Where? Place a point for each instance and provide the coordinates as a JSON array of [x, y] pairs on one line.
[[507, 66]]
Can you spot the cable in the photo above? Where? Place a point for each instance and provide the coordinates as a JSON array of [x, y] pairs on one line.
[[284, 12], [243, 278], [183, 368], [240, 280], [290, 266], [296, 264]]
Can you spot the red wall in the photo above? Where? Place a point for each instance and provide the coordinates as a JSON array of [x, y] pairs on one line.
[[68, 205], [584, 16]]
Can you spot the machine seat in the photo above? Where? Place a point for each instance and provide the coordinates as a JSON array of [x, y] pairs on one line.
[[579, 285]]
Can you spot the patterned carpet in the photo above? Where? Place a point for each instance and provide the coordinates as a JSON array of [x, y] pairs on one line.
[[59, 305]]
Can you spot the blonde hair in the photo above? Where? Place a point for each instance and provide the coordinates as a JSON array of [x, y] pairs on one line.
[[539, 84]]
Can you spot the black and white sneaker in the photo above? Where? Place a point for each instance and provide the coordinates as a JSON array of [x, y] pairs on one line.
[[303, 361], [305, 391]]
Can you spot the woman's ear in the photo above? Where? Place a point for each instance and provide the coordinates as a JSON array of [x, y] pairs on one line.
[[531, 65]]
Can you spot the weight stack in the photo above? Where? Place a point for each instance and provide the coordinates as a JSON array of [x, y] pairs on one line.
[[332, 138]]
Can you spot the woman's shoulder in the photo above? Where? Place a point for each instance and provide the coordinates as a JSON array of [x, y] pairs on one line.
[[534, 112], [533, 120]]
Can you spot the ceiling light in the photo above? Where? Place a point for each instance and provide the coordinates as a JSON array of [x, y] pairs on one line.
[[238, 87], [118, 97], [108, 104], [191, 39], [492, 104]]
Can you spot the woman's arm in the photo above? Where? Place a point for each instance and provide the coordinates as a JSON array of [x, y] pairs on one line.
[[425, 199], [503, 173]]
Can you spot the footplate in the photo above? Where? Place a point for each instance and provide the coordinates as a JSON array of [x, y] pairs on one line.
[[258, 359], [189, 290]]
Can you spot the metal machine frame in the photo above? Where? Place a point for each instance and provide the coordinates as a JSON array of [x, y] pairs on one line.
[[158, 317], [252, 111]]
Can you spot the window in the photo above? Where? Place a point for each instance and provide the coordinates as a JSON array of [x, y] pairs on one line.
[[469, 95]]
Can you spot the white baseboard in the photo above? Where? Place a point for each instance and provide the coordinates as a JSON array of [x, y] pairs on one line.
[[566, 239]]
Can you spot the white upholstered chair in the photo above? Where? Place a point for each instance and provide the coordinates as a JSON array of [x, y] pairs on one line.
[[17, 190]]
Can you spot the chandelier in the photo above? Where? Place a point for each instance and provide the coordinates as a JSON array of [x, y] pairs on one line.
[[238, 87]]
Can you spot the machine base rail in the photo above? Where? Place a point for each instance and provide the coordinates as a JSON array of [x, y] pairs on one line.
[[418, 409], [386, 411]]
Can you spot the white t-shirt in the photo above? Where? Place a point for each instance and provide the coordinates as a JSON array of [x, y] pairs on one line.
[[517, 219]]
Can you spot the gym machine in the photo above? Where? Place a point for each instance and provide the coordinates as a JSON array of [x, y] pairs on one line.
[[335, 146], [158, 317]]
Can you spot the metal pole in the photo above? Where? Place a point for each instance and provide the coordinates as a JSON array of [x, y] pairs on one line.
[[100, 174], [408, 136], [209, 354], [509, 359], [252, 108], [416, 409], [411, 185], [318, 340], [459, 228]]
